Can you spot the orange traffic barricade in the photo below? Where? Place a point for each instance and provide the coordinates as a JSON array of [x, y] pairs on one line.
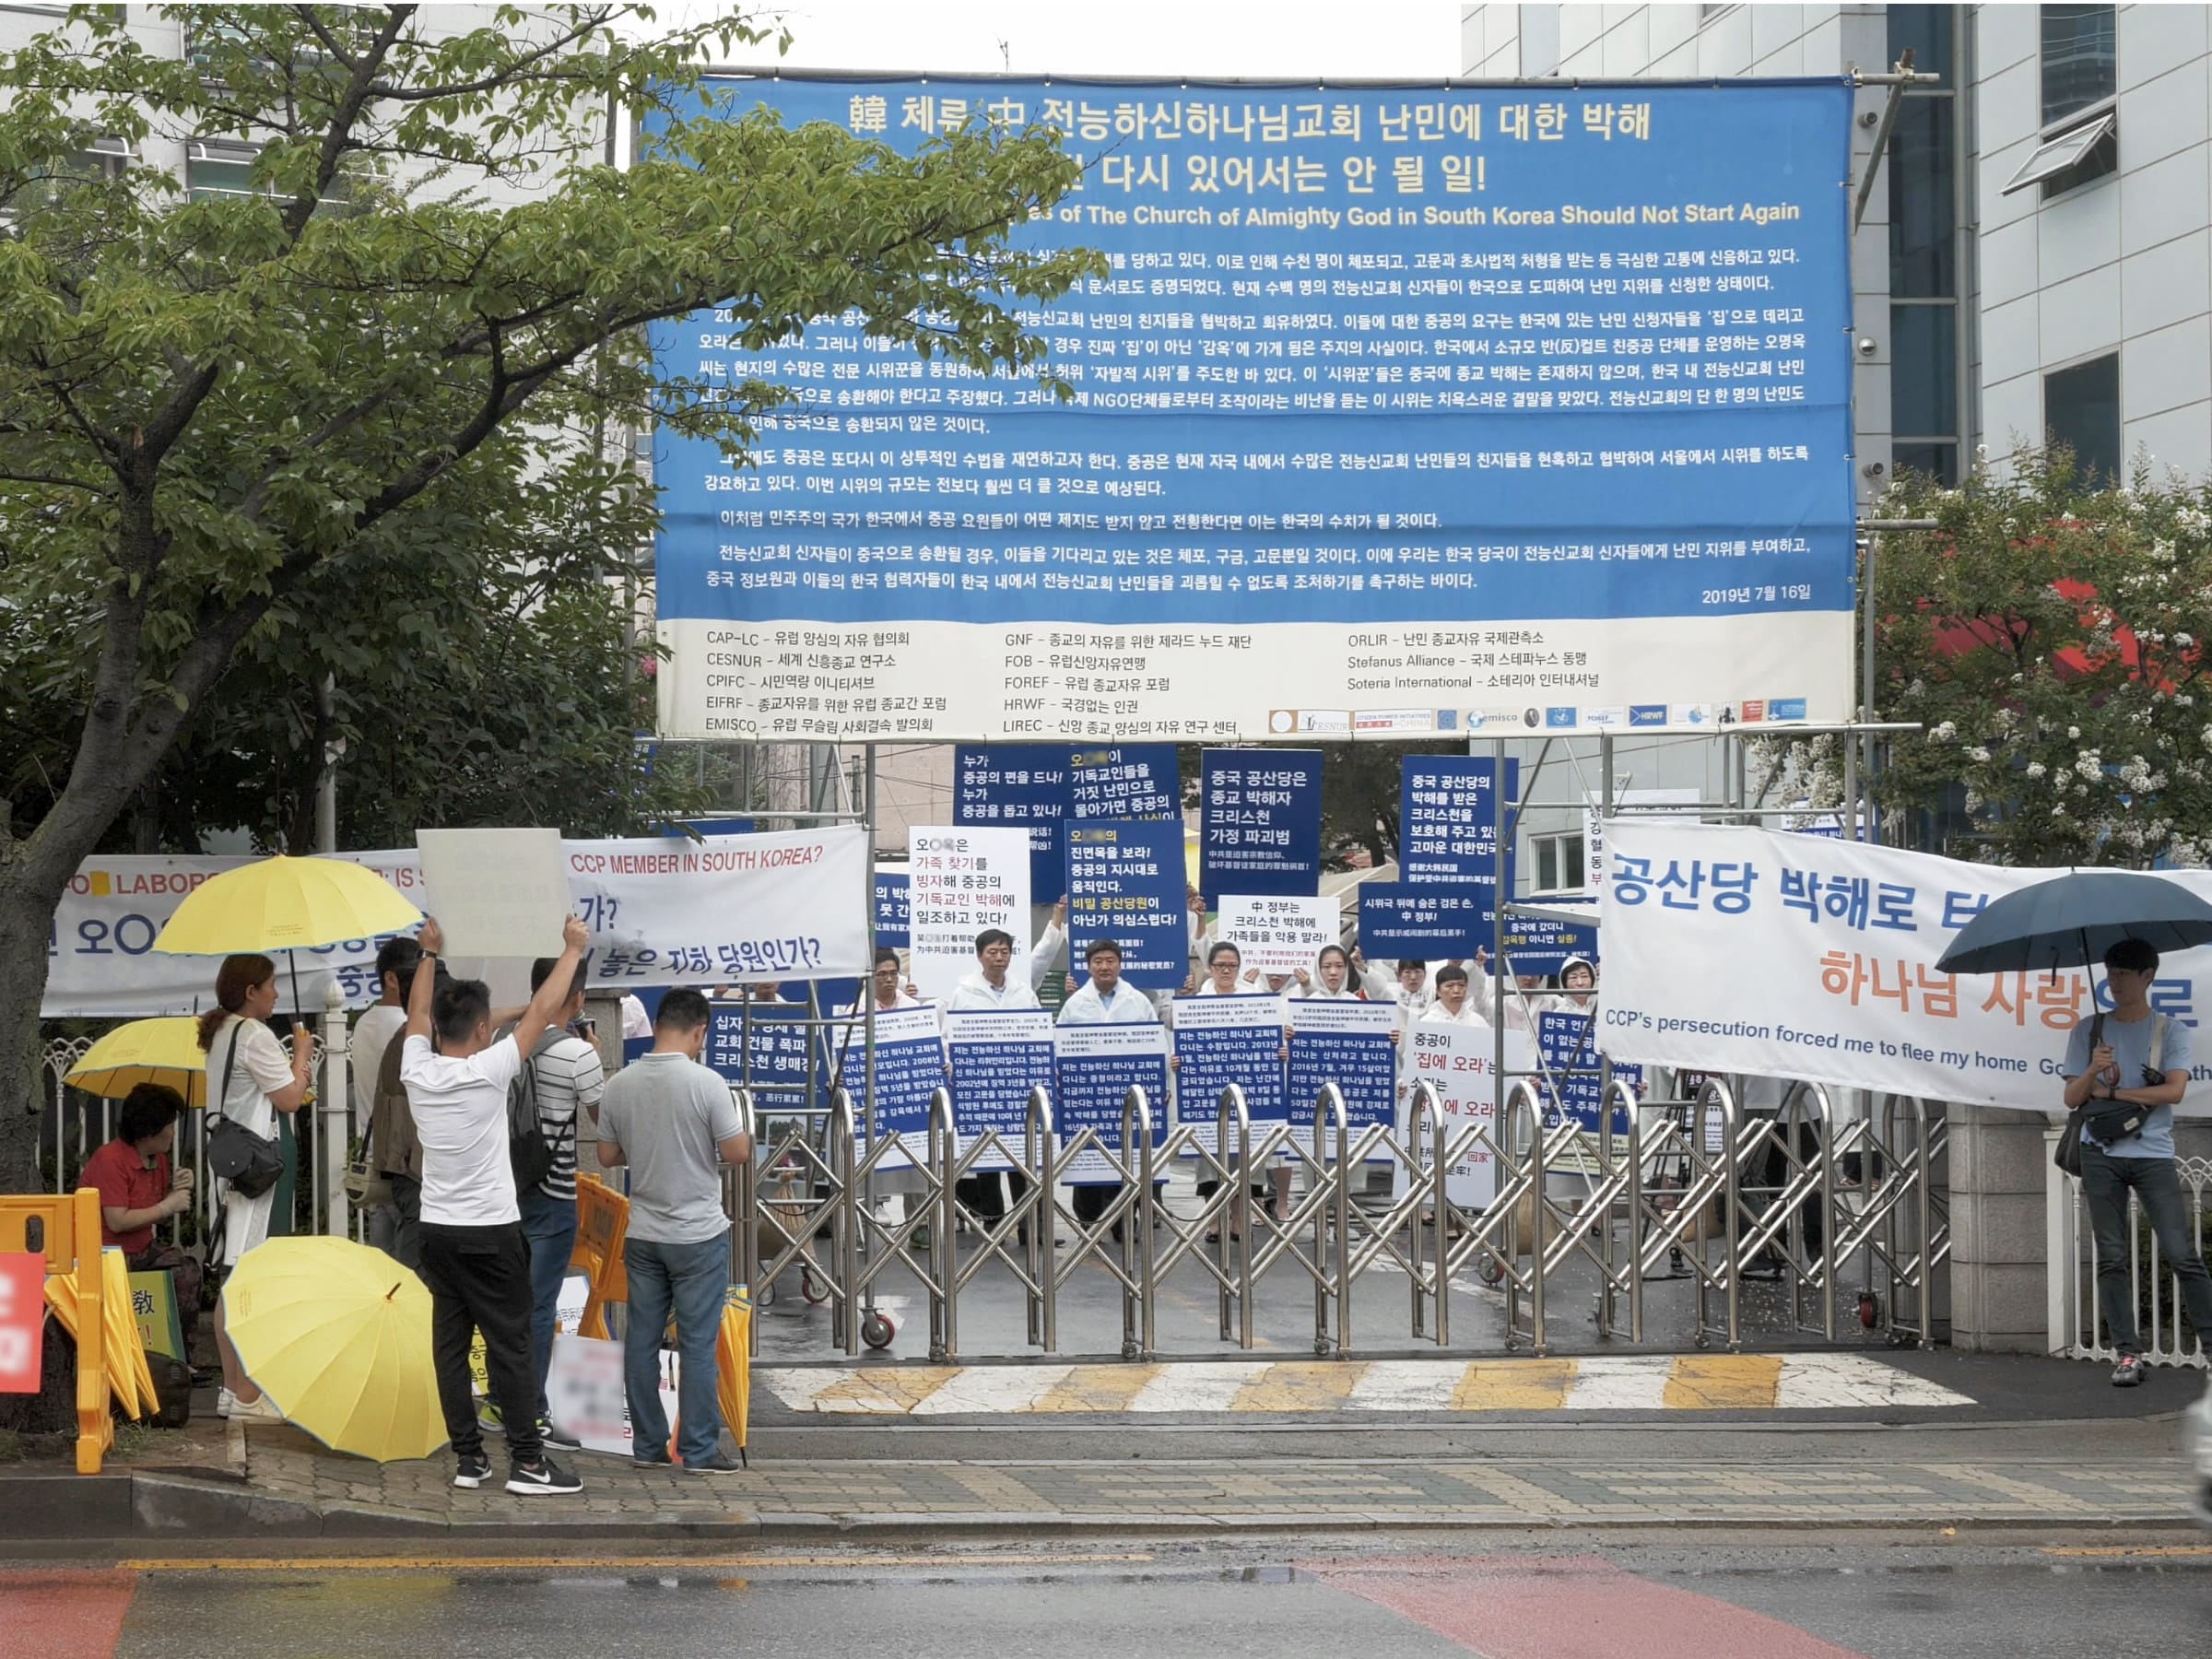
[[69, 1229], [601, 1222]]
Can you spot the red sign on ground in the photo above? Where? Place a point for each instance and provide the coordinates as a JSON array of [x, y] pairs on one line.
[[22, 1319]]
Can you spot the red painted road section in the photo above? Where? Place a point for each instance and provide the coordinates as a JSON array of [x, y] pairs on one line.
[[64, 1615], [1567, 1608]]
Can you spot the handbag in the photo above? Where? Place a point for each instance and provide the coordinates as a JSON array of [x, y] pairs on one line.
[[2116, 1121], [248, 1163], [365, 1183]]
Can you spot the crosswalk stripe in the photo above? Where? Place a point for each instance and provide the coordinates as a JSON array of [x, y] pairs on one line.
[[1513, 1385], [1110, 1388], [1299, 1386], [1722, 1381], [1602, 1383]]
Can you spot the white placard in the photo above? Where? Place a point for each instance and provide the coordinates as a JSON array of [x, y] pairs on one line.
[[496, 892], [790, 905], [585, 1397], [961, 881], [1788, 955], [1280, 935], [1593, 827], [1460, 1061]]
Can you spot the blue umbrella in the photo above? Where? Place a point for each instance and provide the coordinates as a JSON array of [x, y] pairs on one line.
[[2072, 920]]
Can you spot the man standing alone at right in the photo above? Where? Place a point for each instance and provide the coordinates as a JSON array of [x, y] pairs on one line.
[[669, 1118], [2134, 1058]]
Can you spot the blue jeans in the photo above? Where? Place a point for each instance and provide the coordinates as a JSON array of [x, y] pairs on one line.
[[549, 1229], [690, 1279]]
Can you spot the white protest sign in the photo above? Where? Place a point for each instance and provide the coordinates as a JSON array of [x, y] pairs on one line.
[[1281, 933], [569, 1306], [1460, 1061], [496, 892], [790, 905], [585, 1397], [1795, 955], [961, 881]]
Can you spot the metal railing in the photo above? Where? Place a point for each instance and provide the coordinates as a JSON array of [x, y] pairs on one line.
[[2077, 1297]]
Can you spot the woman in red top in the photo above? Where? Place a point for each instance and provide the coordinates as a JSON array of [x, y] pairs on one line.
[[137, 1187]]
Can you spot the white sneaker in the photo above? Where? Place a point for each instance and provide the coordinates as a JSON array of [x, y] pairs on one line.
[[260, 1409], [224, 1401]]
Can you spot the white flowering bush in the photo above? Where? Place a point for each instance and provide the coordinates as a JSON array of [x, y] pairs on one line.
[[2046, 639]]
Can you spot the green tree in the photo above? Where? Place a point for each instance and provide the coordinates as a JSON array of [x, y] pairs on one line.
[[2048, 638], [208, 405]]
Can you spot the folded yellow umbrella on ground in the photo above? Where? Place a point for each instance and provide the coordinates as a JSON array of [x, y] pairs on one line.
[[338, 1335], [733, 1362], [145, 1051]]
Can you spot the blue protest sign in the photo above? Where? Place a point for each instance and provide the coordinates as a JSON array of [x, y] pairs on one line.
[[1259, 822], [1124, 781], [1400, 920], [1410, 409], [1017, 785], [1225, 1040], [1541, 944], [997, 1056], [1448, 818], [910, 1066], [1567, 1048], [1126, 883], [763, 1047], [1097, 1066], [1345, 1042], [893, 925]]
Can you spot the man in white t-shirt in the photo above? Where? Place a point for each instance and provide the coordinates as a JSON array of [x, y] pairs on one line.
[[476, 1262]]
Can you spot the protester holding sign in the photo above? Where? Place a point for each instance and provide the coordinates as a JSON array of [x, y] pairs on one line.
[[671, 1121], [476, 1262], [1105, 999], [990, 987], [1521, 1011], [1452, 1004], [885, 985], [2126, 1072]]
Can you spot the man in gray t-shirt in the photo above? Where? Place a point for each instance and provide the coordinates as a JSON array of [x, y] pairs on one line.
[[2131, 1057], [670, 1119]]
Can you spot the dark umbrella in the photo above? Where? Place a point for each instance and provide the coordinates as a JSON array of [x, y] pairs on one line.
[[2072, 920]]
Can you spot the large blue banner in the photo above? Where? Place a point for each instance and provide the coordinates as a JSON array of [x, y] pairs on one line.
[[1259, 822], [1400, 921], [1394, 410], [1009, 784], [1126, 883], [894, 910]]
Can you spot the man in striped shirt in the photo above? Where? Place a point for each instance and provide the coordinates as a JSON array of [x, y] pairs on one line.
[[569, 1080]]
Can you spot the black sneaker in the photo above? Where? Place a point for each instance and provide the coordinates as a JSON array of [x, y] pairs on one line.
[[473, 1471], [543, 1477], [651, 1460], [722, 1463], [555, 1438]]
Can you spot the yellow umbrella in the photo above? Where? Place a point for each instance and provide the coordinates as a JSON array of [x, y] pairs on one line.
[[338, 1337], [734, 1363], [285, 904], [145, 1051]]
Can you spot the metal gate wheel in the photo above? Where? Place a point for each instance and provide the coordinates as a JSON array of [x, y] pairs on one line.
[[879, 1330]]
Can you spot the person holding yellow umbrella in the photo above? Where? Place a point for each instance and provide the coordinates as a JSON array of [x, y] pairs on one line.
[[259, 1089]]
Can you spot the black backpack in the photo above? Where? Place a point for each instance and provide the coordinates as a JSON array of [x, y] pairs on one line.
[[528, 1151]]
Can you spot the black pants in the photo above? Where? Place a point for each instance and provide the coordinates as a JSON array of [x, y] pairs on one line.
[[479, 1280], [979, 1195]]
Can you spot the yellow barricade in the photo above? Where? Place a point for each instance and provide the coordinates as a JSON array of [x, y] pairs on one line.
[[71, 1244], [602, 1221]]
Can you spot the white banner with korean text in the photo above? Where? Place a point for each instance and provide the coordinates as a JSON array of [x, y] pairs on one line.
[[790, 905], [1795, 956]]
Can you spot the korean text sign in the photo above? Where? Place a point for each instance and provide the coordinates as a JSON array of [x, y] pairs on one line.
[[893, 912], [1126, 883], [1795, 955], [1345, 1042], [1401, 921], [1567, 1049], [997, 1056], [1279, 936], [1397, 409], [961, 883], [1259, 821], [1460, 1061], [999, 785], [1127, 780], [1448, 818], [1097, 1066], [910, 1066], [1225, 1040]]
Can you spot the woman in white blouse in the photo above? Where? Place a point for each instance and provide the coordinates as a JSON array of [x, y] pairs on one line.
[[254, 1083]]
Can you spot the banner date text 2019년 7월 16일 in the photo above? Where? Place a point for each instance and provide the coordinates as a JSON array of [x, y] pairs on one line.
[[1400, 410]]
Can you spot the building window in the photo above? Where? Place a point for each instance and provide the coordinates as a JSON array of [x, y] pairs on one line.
[[2077, 155], [215, 167], [2081, 58], [2081, 410], [1559, 862], [1924, 200], [1927, 365], [1927, 32]]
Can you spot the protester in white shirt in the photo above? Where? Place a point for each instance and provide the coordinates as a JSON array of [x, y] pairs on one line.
[[1105, 999], [1452, 1004], [1411, 988], [1050, 948], [1225, 977], [476, 1262], [1331, 980], [990, 987], [886, 984], [1521, 1009]]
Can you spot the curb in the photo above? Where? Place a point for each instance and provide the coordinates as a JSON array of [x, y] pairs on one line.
[[149, 1507]]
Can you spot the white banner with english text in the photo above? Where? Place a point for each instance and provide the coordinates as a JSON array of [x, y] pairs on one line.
[[1795, 955]]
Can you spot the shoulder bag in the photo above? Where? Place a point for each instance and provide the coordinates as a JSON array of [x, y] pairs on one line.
[[249, 1163]]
